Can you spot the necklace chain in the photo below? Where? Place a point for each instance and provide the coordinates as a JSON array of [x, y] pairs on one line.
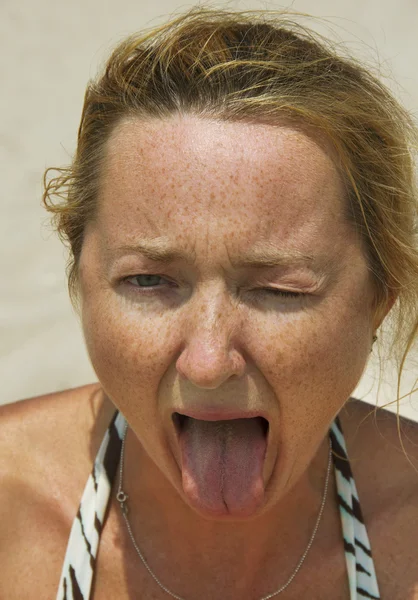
[[122, 499]]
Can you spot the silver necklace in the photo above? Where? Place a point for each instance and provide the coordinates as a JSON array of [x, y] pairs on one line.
[[122, 498]]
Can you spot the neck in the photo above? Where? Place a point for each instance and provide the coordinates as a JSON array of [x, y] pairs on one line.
[[255, 556]]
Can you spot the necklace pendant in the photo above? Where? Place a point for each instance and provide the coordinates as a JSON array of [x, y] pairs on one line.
[[121, 497]]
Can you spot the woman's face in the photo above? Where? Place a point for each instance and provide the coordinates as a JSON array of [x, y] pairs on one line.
[[199, 222]]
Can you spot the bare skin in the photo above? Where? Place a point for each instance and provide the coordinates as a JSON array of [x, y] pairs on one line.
[[39, 499], [209, 334]]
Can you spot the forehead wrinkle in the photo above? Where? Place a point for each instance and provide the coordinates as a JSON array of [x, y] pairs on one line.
[[261, 256]]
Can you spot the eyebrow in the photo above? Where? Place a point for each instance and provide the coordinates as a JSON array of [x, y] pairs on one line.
[[272, 257], [157, 250], [268, 255]]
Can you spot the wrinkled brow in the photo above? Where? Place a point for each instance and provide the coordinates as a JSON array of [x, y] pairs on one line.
[[265, 255]]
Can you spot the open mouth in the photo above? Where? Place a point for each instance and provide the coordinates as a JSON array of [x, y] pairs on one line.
[[180, 421], [222, 454]]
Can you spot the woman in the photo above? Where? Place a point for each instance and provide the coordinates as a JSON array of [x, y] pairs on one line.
[[241, 216]]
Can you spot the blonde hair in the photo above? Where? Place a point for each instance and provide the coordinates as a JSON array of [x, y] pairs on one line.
[[262, 66]]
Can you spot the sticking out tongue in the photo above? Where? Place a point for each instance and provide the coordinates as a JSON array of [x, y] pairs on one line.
[[222, 465]]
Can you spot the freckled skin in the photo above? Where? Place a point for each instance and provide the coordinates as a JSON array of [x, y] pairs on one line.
[[216, 189]]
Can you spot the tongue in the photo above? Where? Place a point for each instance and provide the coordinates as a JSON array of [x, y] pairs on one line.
[[222, 465]]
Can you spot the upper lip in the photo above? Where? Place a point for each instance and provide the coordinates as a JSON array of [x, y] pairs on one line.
[[220, 414], [217, 414]]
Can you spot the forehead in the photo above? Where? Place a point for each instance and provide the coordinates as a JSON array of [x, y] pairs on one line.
[[186, 174]]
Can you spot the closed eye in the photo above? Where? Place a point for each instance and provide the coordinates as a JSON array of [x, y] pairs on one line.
[[282, 293]]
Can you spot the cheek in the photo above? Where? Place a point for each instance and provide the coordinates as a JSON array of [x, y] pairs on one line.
[[126, 348], [313, 360]]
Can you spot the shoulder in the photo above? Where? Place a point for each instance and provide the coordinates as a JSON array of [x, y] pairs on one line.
[[47, 445], [32, 428], [385, 471], [383, 450]]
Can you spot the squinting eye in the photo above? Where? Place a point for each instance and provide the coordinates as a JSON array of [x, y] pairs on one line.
[[149, 283], [145, 281]]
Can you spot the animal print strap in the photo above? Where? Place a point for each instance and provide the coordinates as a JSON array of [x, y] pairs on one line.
[[80, 559], [358, 555]]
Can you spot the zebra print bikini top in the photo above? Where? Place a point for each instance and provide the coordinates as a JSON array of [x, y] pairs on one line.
[[80, 559]]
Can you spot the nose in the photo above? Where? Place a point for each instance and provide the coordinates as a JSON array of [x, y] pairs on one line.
[[210, 352]]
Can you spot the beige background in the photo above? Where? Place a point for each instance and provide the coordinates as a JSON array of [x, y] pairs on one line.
[[48, 50]]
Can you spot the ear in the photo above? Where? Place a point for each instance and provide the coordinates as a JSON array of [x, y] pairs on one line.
[[383, 311]]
